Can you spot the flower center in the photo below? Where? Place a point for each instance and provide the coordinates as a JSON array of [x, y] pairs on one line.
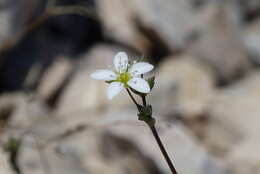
[[124, 77]]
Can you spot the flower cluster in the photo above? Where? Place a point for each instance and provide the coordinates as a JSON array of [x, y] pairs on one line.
[[125, 75]]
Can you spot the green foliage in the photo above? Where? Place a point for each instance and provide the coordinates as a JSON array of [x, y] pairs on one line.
[[12, 145]]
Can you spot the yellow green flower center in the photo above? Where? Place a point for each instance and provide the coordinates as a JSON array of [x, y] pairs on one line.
[[124, 78]]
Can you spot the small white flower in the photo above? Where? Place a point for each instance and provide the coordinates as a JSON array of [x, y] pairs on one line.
[[124, 75]]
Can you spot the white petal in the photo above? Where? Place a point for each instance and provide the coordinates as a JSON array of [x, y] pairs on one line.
[[139, 85], [103, 75], [121, 61], [113, 89], [140, 68]]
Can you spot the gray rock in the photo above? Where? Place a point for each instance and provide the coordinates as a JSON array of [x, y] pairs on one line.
[[4, 23], [183, 86], [170, 20], [5, 167], [251, 38], [119, 23], [55, 77], [183, 149], [27, 112], [90, 151], [114, 142], [219, 43], [38, 159], [234, 115], [244, 158], [19, 112]]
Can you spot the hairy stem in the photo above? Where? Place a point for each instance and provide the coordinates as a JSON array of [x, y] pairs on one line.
[[144, 100], [164, 152]]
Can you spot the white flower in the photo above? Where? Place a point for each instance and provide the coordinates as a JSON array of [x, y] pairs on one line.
[[124, 75]]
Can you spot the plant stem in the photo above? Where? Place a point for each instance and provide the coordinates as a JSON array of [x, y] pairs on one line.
[[143, 97], [164, 152], [144, 100], [155, 133], [159, 142]]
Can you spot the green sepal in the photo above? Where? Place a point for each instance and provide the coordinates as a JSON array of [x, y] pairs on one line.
[[151, 82], [109, 81], [130, 63], [141, 59]]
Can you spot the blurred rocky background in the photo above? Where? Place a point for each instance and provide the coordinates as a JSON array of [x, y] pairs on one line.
[[55, 120]]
